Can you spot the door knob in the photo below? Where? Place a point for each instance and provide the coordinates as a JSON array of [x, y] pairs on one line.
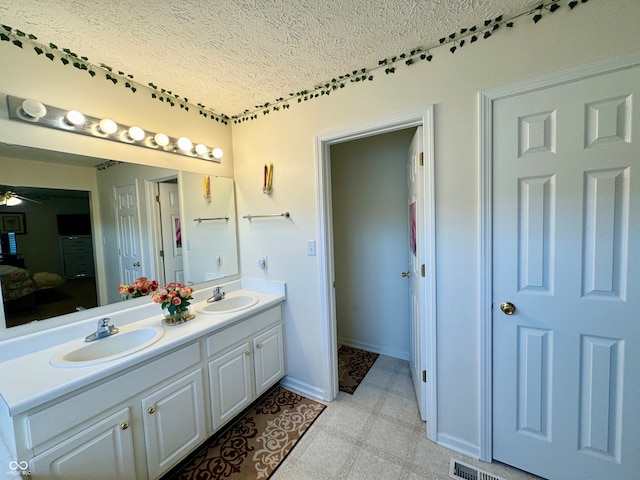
[[137, 264], [508, 308], [406, 274]]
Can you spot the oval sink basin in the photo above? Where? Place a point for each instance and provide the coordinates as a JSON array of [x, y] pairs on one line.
[[227, 305], [107, 349]]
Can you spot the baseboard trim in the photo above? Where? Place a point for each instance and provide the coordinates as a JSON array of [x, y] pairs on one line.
[[402, 355], [305, 389], [458, 445]]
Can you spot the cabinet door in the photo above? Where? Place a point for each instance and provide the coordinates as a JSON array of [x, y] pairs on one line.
[[174, 422], [104, 450], [268, 348], [230, 380]]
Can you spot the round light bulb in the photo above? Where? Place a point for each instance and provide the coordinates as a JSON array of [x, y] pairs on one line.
[[33, 109], [184, 144], [161, 139], [217, 153], [74, 118], [136, 134], [201, 149], [12, 200], [108, 126]]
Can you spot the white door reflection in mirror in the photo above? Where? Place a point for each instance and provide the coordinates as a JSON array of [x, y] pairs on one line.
[[128, 228], [170, 224]]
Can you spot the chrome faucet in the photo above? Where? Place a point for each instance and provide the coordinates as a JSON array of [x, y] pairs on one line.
[[103, 330], [218, 294]]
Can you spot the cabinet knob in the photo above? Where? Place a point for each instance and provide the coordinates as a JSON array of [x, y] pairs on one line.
[[259, 345], [151, 409], [248, 353], [124, 425]]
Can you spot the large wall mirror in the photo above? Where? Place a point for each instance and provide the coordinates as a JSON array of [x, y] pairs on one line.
[[84, 225]]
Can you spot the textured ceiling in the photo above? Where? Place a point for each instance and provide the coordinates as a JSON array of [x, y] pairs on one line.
[[234, 55]]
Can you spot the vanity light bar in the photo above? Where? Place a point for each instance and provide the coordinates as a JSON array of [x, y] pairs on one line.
[[36, 113]]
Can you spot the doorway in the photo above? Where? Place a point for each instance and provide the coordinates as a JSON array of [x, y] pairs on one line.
[[326, 254], [168, 231], [370, 236]]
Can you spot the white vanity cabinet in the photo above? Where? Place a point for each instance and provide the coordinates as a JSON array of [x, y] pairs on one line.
[[105, 449], [246, 359], [140, 420], [136, 425], [174, 422]]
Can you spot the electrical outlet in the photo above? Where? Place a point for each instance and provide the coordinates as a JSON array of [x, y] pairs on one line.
[[262, 263]]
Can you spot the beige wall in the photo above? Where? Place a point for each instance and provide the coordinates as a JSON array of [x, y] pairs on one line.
[[592, 31], [28, 75]]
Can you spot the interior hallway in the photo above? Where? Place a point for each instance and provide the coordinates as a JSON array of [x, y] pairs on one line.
[[376, 434]]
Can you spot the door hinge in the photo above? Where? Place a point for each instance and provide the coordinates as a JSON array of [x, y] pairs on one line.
[[422, 270], [424, 376], [157, 198], [161, 253], [422, 159]]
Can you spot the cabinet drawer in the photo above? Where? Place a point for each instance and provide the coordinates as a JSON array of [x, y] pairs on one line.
[[46, 424], [235, 333]]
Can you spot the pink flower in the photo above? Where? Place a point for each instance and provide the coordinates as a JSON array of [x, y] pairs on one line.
[[176, 301]]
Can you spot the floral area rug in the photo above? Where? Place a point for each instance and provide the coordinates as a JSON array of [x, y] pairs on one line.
[[256, 444], [353, 365]]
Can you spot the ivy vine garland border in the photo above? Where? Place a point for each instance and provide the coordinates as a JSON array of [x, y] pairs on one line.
[[454, 41]]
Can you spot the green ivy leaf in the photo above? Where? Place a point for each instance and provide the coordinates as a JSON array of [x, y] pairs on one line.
[[8, 29], [53, 46], [20, 34], [38, 50], [4, 37], [50, 56], [17, 43], [536, 18], [92, 73], [32, 37], [64, 61]]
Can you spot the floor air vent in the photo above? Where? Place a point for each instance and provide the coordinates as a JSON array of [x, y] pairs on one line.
[[463, 471]]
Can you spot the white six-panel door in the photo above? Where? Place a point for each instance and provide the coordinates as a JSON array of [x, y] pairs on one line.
[[128, 228], [566, 255], [416, 256]]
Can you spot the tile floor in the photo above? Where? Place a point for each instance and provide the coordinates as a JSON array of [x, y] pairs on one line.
[[376, 433]]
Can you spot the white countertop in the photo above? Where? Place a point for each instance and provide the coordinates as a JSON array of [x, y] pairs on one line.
[[30, 380]]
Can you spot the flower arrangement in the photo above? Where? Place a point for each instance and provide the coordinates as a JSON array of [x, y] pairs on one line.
[[175, 298], [140, 288]]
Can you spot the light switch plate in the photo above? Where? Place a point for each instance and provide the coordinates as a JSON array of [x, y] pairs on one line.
[[311, 248]]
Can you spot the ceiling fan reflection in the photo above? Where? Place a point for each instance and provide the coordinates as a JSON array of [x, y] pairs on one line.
[[10, 199]]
